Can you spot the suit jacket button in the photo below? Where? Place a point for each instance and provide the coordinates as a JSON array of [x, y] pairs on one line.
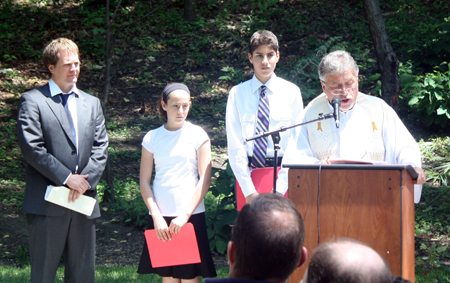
[[73, 152]]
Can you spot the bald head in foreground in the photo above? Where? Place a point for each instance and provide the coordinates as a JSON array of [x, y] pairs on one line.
[[347, 260], [266, 241]]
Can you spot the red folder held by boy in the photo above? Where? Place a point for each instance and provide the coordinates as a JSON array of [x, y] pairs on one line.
[[262, 179]]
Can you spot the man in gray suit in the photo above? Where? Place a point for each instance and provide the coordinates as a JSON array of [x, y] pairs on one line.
[[63, 139]]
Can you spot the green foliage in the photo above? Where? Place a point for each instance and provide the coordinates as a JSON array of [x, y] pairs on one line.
[[436, 160], [233, 76], [220, 208], [13, 82], [303, 70], [11, 194], [424, 275], [23, 28], [93, 43], [128, 200], [264, 5], [10, 152], [22, 256], [428, 94], [427, 43], [431, 229]]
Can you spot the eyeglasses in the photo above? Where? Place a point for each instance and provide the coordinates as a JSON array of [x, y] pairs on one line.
[[341, 91]]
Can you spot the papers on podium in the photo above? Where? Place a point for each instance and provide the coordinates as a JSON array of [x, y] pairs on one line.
[[182, 249], [356, 161], [60, 196]]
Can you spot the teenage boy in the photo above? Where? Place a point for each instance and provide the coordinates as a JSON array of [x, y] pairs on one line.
[[264, 103]]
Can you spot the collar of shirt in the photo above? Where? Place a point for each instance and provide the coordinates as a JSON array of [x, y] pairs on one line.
[[270, 84], [56, 90]]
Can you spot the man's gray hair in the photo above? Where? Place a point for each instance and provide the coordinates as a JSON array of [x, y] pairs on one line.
[[337, 62]]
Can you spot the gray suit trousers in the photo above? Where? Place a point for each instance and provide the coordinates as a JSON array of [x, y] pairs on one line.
[[71, 236]]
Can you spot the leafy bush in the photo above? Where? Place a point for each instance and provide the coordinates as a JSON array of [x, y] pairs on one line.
[[10, 154], [436, 160], [233, 76], [428, 94], [431, 230], [24, 29], [221, 211], [427, 43], [303, 70], [128, 200]]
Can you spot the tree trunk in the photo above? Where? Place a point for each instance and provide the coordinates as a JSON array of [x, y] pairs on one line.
[[387, 60], [108, 195], [189, 10]]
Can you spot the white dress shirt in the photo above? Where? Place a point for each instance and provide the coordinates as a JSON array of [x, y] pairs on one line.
[[286, 105], [72, 104]]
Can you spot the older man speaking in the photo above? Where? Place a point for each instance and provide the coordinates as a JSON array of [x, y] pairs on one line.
[[369, 129]]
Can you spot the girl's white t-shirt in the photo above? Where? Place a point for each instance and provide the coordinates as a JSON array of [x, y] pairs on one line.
[[176, 166]]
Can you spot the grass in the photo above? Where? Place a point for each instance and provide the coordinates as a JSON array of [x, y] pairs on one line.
[[103, 274], [118, 274]]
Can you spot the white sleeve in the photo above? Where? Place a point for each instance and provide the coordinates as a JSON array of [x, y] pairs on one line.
[[237, 153], [297, 109], [201, 137], [146, 142], [401, 147]]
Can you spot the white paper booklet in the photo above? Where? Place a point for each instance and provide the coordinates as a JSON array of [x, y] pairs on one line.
[[60, 196]]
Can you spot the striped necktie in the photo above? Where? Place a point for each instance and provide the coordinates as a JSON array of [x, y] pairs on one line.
[[262, 125]]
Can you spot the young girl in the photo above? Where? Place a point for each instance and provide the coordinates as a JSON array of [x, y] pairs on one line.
[[181, 153]]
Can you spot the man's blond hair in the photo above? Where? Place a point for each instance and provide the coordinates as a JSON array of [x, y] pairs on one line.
[[50, 56]]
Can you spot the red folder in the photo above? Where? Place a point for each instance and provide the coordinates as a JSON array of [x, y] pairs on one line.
[[262, 179], [182, 249]]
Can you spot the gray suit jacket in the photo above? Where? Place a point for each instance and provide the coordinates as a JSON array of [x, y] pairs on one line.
[[47, 145]]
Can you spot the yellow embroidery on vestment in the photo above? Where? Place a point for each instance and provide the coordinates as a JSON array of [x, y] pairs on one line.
[[374, 127]]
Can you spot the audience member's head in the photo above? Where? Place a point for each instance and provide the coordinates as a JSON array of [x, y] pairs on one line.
[[267, 240], [346, 261]]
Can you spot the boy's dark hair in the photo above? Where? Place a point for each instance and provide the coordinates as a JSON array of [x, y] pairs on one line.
[[263, 37], [267, 248]]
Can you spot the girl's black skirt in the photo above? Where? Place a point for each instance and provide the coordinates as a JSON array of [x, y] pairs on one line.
[[189, 271]]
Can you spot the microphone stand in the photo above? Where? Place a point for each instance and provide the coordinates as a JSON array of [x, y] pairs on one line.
[[275, 134]]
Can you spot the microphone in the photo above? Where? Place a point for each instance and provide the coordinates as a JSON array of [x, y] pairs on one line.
[[336, 103]]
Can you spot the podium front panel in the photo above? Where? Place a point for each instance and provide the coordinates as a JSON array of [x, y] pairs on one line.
[[362, 204]]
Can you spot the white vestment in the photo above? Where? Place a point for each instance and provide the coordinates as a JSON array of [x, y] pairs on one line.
[[370, 131]]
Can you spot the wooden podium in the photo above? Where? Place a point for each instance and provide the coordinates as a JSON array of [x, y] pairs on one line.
[[371, 203]]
